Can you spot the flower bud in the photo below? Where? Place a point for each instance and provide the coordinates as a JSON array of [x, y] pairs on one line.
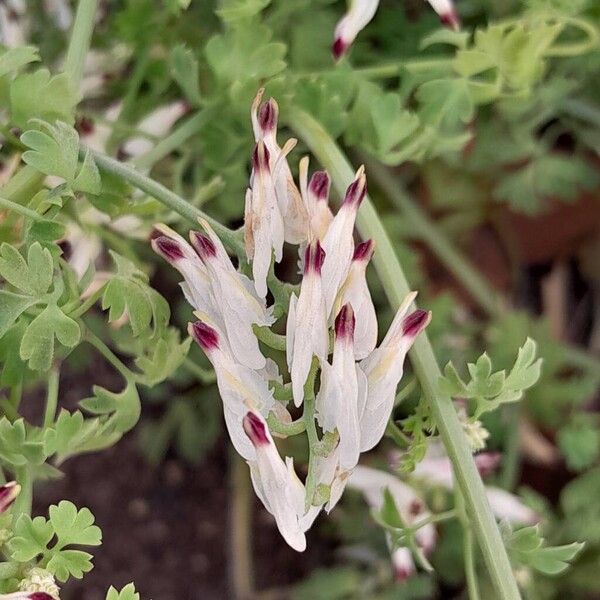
[[8, 494]]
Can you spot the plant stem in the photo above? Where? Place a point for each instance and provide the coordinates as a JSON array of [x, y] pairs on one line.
[[435, 518], [203, 375], [287, 429], [240, 551], [23, 184], [268, 337], [230, 238], [311, 431], [24, 500], [422, 358], [22, 210], [80, 310], [109, 355], [79, 43], [51, 396]]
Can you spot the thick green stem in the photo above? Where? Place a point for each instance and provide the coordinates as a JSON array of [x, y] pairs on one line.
[[22, 210], [230, 238], [52, 397], [22, 185], [110, 356], [81, 36], [24, 501], [422, 357]]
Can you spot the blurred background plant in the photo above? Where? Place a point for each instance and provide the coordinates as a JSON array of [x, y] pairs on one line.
[[481, 148]]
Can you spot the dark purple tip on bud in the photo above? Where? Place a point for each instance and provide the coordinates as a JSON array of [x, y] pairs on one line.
[[260, 157], [345, 323], [338, 49], [85, 126], [203, 245], [255, 429], [451, 20], [40, 596], [167, 248], [415, 323], [319, 185], [364, 251], [402, 574], [356, 192], [267, 116], [314, 257], [415, 508], [487, 462], [206, 337]]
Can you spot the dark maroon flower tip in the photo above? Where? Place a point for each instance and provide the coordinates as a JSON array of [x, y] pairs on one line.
[[415, 507], [314, 257], [260, 157], [267, 116], [122, 154], [255, 429], [338, 49], [487, 462], [415, 322], [402, 574], [167, 247], [319, 185], [356, 192], [451, 20], [206, 337], [364, 251], [85, 126], [203, 245], [40, 596], [345, 323]]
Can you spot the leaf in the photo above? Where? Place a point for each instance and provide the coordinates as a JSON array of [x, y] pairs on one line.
[[37, 345], [580, 444], [445, 103], [11, 307], [459, 39], [164, 357], [128, 293], [235, 10], [68, 434], [127, 593], [70, 563], [124, 407], [55, 151], [31, 536], [39, 95], [17, 446], [14, 370], [184, 69], [13, 59], [33, 276], [74, 526]]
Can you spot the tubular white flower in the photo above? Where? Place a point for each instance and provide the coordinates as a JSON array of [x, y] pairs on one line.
[[403, 564], [341, 398], [8, 493], [263, 224], [356, 292], [411, 507], [384, 368], [306, 330], [357, 17], [264, 125], [275, 481], [447, 13], [338, 243], [237, 385], [315, 196]]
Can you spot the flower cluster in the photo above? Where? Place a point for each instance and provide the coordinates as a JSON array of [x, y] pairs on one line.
[[358, 379], [360, 13]]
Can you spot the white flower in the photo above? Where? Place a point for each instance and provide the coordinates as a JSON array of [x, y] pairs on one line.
[[237, 385], [276, 483], [293, 211], [356, 292], [329, 473], [315, 195], [306, 329], [28, 596], [403, 563], [60, 12], [338, 242], [361, 12], [263, 222], [384, 368], [8, 493], [342, 395]]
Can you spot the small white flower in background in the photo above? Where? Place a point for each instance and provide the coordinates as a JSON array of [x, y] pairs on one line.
[[60, 12], [360, 13], [8, 494], [41, 582], [403, 564], [357, 388]]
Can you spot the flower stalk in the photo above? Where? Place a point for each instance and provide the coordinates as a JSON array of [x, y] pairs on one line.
[[422, 357]]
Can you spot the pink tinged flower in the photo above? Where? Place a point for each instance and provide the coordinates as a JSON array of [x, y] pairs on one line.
[[384, 368], [306, 329], [356, 18], [447, 13], [264, 125], [8, 493], [403, 564], [508, 507], [234, 295], [263, 224], [27, 596], [275, 482], [338, 243], [315, 195], [355, 291], [487, 462], [237, 385], [342, 394], [411, 507]]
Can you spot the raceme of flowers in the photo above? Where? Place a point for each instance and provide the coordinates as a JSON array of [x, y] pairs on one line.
[[358, 379], [360, 13]]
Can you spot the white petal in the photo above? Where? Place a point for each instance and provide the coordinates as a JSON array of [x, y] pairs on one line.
[[509, 507], [358, 16]]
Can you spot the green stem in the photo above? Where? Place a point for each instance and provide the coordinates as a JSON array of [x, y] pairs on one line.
[[87, 304], [110, 356], [397, 435], [205, 376], [422, 357], [271, 339], [287, 429], [23, 184], [22, 210], [435, 518], [281, 392], [230, 238], [81, 36], [51, 397], [311, 431]]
